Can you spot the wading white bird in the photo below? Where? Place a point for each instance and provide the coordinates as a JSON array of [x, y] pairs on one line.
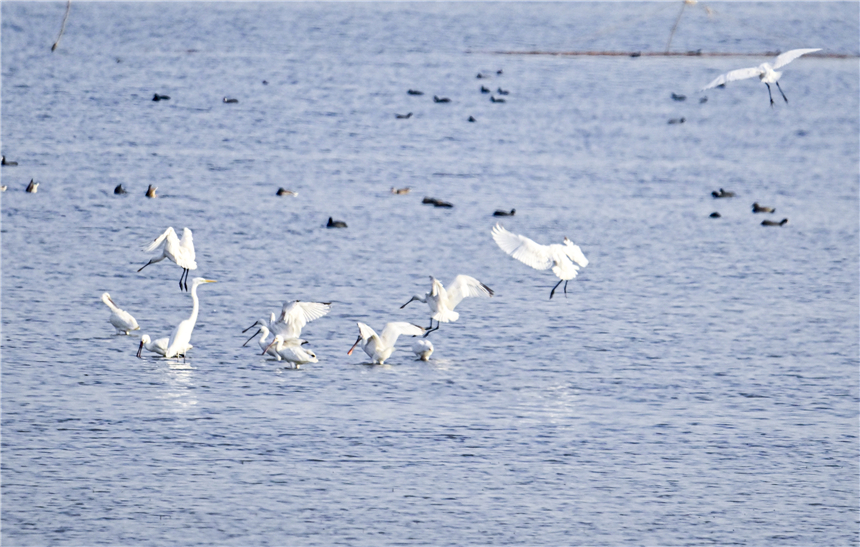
[[180, 340], [264, 345], [560, 258], [292, 319], [122, 321], [766, 72], [158, 346], [179, 251], [380, 348], [442, 302], [423, 349], [291, 350]]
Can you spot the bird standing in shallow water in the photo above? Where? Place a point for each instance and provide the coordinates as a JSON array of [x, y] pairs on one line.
[[380, 348], [565, 260], [180, 252], [766, 72], [180, 339], [121, 320], [158, 346], [291, 351]]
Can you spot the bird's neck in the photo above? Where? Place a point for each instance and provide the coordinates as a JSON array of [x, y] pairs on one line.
[[196, 304]]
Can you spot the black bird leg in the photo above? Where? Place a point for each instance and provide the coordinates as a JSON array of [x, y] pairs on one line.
[[781, 93], [565, 288], [768, 94], [438, 324], [552, 292]]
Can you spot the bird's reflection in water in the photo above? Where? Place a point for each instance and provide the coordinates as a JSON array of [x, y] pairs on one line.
[[180, 390]]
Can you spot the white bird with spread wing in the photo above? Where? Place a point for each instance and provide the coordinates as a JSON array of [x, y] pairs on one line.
[[122, 321], [442, 302], [766, 72], [293, 318], [380, 348], [565, 260], [179, 251]]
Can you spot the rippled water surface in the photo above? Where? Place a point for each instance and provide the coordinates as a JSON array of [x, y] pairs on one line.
[[698, 384]]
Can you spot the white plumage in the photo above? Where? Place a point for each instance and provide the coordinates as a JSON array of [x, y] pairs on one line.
[[564, 259], [292, 319], [423, 349], [291, 350], [122, 321], [158, 346], [380, 348], [179, 251], [766, 72], [442, 302], [180, 339]]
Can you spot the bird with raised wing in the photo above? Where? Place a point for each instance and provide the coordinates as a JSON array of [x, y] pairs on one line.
[[564, 259], [121, 320], [442, 302], [380, 348], [766, 72], [179, 251]]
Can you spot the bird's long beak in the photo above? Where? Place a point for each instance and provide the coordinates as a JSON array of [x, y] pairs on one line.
[[111, 301], [251, 338], [353, 346], [209, 281], [249, 328], [407, 303], [272, 343], [140, 349]]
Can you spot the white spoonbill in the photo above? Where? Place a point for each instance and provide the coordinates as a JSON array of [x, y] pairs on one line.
[[380, 348], [179, 251], [122, 321], [295, 315], [291, 350], [423, 349], [263, 328], [158, 346], [442, 302], [179, 343], [766, 72], [560, 258]]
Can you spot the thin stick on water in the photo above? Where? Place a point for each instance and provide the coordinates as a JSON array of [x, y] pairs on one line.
[[675, 26], [63, 26]]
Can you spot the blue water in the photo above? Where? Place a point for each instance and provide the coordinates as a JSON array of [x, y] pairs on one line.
[[697, 385]]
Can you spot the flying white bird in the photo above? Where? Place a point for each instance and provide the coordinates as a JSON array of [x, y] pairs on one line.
[[291, 350], [442, 302], [560, 258], [179, 343], [158, 346], [380, 348], [180, 251], [423, 349], [122, 321], [766, 72]]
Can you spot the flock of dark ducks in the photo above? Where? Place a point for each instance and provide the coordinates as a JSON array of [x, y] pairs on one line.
[[756, 208]]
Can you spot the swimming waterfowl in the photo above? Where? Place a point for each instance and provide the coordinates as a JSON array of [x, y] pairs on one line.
[[501, 91], [441, 99], [415, 92], [403, 116], [436, 202], [119, 189], [677, 97], [230, 100], [500, 213], [484, 89], [773, 222], [674, 121], [3, 188], [715, 214], [33, 187], [472, 119], [9, 163], [756, 208], [335, 223], [150, 192], [495, 100], [723, 194], [158, 97], [285, 192], [400, 190]]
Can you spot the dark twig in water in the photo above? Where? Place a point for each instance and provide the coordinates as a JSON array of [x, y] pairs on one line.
[[63, 26]]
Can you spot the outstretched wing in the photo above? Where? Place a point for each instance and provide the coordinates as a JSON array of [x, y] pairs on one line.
[[365, 330], [789, 56], [523, 249], [739, 74], [295, 315], [393, 330], [168, 235], [465, 286]]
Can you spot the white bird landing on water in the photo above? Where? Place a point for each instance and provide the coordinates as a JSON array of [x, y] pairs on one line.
[[766, 72], [122, 321], [180, 340], [442, 302], [380, 348], [423, 349], [291, 350], [560, 258], [179, 251]]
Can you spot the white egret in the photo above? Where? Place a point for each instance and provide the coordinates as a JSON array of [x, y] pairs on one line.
[[380, 348], [766, 72], [291, 350], [423, 349], [179, 251], [442, 302], [122, 321], [560, 258], [180, 340], [158, 346]]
